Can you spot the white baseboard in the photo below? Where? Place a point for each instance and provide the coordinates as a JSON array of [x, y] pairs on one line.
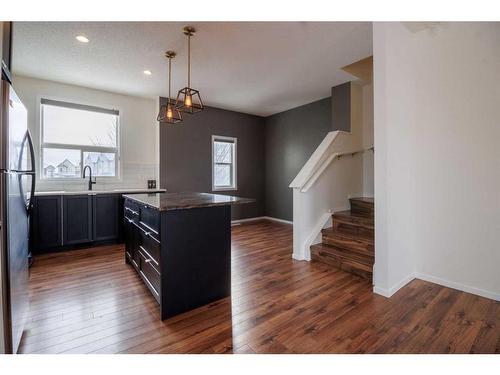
[[388, 292], [277, 220], [436, 280], [240, 221], [459, 286]]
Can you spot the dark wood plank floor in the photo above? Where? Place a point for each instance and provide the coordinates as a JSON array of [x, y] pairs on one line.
[[90, 301]]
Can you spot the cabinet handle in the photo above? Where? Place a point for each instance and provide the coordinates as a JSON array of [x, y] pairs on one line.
[[133, 212]]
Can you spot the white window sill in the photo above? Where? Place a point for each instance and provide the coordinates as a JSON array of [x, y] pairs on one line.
[[224, 189]]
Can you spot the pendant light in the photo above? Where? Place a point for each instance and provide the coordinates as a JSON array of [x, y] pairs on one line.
[[189, 99], [169, 114]]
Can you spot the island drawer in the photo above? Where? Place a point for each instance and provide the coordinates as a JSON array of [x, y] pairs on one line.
[[150, 245], [150, 274], [150, 218], [131, 210]]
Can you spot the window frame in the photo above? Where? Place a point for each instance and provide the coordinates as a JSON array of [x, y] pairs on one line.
[[67, 146], [234, 163]]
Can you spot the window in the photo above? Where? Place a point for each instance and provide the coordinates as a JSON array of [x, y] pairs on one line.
[[74, 136], [223, 163]]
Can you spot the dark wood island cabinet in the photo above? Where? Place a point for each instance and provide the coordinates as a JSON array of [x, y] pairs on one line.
[[180, 244]]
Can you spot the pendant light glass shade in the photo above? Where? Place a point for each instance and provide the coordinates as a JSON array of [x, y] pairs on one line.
[[169, 114], [189, 99]]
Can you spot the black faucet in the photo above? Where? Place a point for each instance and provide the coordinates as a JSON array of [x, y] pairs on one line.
[[90, 176]]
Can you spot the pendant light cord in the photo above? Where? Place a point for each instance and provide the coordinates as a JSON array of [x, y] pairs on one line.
[[169, 76], [189, 60]]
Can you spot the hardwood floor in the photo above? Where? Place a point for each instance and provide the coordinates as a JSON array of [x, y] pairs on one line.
[[90, 301]]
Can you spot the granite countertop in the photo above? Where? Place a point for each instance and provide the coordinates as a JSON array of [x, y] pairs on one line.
[[180, 201], [95, 192]]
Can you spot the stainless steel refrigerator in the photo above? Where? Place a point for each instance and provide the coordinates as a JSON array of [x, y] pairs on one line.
[[17, 186]]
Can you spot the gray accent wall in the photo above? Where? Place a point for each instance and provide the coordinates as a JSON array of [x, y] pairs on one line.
[[291, 137], [341, 107], [186, 155]]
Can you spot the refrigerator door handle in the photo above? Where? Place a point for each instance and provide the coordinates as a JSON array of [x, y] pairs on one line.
[[29, 204], [32, 151], [31, 172]]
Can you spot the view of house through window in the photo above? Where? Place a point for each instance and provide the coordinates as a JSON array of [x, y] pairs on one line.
[[223, 163], [74, 136]]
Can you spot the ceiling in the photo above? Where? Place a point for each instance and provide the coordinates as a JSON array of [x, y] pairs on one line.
[[253, 67]]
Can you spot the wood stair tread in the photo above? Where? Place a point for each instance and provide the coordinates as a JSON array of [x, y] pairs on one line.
[[346, 234], [345, 255], [337, 258], [362, 205], [354, 218], [364, 200], [357, 243]]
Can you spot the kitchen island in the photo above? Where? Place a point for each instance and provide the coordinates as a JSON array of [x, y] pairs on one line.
[[180, 245]]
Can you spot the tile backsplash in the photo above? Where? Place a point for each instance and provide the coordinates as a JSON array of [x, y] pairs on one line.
[[132, 176]]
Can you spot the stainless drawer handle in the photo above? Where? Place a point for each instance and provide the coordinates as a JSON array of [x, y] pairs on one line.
[[134, 212]]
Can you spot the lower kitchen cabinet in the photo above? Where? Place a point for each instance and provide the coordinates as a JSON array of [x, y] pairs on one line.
[[106, 217], [77, 219], [46, 223], [60, 222]]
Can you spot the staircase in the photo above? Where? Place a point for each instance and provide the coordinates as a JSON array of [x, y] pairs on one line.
[[349, 243]]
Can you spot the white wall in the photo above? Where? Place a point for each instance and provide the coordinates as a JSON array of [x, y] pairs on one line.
[[437, 160], [394, 134], [368, 157], [138, 130]]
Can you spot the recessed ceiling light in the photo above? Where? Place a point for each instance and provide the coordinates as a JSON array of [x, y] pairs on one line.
[[147, 72], [82, 38]]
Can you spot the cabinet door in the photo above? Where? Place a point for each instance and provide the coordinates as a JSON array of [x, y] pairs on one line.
[[46, 225], [132, 241], [106, 217], [77, 222]]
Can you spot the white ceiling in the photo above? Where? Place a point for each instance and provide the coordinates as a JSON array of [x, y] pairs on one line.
[[252, 67]]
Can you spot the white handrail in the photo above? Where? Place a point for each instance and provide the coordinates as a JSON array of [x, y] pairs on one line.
[[312, 179], [314, 161]]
